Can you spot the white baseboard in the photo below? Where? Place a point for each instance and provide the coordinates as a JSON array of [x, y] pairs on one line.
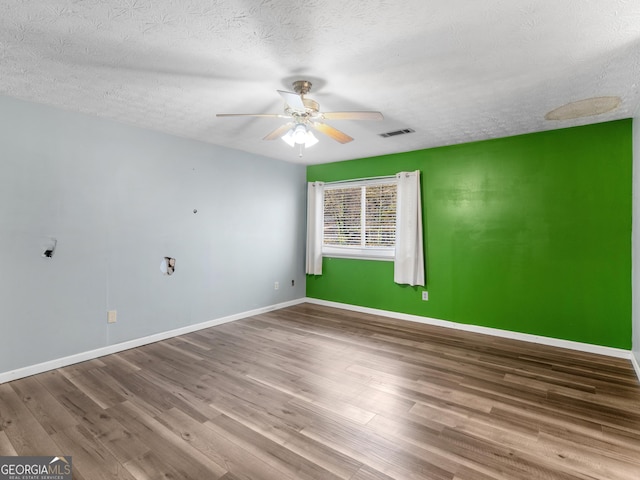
[[583, 347], [137, 342], [635, 361], [119, 347]]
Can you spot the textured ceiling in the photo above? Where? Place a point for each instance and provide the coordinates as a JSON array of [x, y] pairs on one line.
[[453, 70]]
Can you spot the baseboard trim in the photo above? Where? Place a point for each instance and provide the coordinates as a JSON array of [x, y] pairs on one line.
[[636, 365], [554, 342], [137, 342]]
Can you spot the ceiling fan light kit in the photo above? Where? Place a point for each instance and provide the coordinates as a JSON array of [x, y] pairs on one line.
[[304, 114], [300, 135]]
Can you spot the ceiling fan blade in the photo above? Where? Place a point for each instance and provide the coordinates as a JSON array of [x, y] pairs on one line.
[[267, 115], [278, 132], [353, 115], [334, 133], [293, 100]]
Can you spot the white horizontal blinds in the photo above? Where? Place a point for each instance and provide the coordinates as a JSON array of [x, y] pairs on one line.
[[380, 215], [343, 216], [360, 215]]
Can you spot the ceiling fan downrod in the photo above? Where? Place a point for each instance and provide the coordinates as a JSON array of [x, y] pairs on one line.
[[302, 87]]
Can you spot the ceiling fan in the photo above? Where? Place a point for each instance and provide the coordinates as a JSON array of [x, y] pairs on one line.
[[305, 115]]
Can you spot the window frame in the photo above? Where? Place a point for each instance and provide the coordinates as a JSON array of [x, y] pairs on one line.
[[359, 252]]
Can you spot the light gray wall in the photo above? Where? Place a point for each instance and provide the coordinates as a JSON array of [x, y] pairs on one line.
[[118, 199], [636, 242]]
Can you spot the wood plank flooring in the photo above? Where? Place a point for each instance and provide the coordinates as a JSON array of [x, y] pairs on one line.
[[311, 392]]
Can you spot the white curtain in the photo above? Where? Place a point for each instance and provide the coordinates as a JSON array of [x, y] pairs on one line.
[[409, 262], [315, 221]]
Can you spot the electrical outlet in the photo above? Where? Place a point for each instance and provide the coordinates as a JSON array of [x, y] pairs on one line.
[[425, 295], [276, 285], [293, 282], [111, 316]]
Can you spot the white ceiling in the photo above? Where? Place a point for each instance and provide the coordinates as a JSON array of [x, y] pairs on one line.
[[453, 70]]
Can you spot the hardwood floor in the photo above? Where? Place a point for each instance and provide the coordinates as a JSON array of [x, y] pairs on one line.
[[311, 392]]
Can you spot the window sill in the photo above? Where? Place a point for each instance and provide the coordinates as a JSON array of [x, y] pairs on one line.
[[384, 255]]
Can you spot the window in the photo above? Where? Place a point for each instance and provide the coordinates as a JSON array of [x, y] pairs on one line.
[[360, 219]]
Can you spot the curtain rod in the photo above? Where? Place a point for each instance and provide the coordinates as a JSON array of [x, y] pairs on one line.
[[361, 179]]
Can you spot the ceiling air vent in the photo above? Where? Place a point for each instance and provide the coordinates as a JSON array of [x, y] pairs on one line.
[[397, 132]]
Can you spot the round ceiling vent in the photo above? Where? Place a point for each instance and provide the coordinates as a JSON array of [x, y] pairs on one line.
[[584, 108]]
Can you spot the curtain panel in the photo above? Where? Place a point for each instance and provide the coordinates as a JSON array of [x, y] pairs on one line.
[[408, 267], [315, 222]]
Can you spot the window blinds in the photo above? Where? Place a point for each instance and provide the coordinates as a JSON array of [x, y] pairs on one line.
[[360, 216]]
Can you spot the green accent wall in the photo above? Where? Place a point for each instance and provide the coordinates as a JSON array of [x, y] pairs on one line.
[[529, 234]]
